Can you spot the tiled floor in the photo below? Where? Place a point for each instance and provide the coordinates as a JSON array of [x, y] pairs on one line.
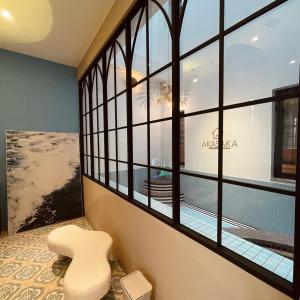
[[28, 271], [274, 262]]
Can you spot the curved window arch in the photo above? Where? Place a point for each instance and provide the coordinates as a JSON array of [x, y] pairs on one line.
[[179, 109]]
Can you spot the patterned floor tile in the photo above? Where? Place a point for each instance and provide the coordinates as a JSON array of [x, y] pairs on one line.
[[29, 271]]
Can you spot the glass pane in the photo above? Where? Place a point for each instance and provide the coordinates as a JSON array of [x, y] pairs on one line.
[[88, 123], [95, 121], [236, 10], [94, 91], [111, 114], [95, 144], [161, 95], [83, 99], [123, 178], [101, 144], [112, 144], [100, 118], [202, 15], [140, 144], [248, 151], [110, 76], [161, 191], [100, 83], [88, 145], [112, 174], [161, 144], [84, 125], [159, 37], [89, 170], [139, 103], [200, 80], [286, 120], [122, 144], [201, 144], [198, 210], [262, 227], [139, 51], [102, 170], [140, 174], [257, 62], [96, 168], [122, 110], [84, 145], [85, 164], [120, 63]]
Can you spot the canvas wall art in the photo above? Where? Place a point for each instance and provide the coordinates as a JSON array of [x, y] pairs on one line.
[[43, 178]]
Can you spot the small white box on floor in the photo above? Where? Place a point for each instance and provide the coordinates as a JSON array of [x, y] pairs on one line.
[[136, 287]]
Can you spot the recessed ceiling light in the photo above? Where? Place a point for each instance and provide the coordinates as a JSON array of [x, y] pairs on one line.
[[292, 62], [5, 14], [195, 79], [254, 39]]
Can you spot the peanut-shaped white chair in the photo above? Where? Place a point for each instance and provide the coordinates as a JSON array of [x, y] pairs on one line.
[[89, 274]]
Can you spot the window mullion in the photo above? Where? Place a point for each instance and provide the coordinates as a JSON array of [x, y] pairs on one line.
[[176, 109], [129, 109], [148, 103], [105, 71], [221, 124]]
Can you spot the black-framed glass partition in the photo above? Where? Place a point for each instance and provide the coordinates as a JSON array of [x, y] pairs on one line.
[[177, 80]]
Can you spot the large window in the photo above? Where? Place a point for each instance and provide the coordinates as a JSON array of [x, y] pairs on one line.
[[190, 112]]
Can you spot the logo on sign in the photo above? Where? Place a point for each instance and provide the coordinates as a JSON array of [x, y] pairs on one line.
[[213, 144]]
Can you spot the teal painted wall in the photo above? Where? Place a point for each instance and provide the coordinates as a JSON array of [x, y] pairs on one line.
[[35, 95]]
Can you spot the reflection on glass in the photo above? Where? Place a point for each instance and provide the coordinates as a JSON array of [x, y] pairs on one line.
[[248, 151], [111, 114], [120, 63], [123, 178], [139, 51], [112, 174], [110, 76], [99, 83], [122, 144], [88, 144], [96, 168], [89, 169], [161, 144], [257, 61], [200, 80], [94, 91], [161, 95], [285, 139], [161, 191], [139, 103], [101, 144], [263, 230], [236, 10], [200, 23], [102, 170], [198, 209], [159, 37], [112, 144], [201, 144], [122, 110], [139, 177], [100, 118], [95, 121], [95, 144], [139, 134]]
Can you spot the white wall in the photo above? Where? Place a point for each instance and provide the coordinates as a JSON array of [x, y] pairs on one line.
[[178, 267]]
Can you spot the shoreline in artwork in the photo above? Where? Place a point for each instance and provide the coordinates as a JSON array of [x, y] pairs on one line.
[[41, 168]]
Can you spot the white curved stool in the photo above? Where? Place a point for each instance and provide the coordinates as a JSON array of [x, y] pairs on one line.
[[89, 275]]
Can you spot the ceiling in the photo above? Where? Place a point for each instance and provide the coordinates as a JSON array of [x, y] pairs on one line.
[[56, 30]]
